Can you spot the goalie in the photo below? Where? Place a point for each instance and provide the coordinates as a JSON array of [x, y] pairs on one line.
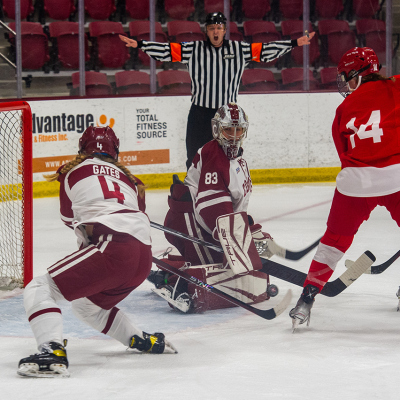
[[211, 205]]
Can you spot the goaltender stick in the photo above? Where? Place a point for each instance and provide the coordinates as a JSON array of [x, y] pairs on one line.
[[105, 205], [211, 205]]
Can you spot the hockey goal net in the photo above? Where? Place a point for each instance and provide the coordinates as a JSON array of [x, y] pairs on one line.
[[15, 194]]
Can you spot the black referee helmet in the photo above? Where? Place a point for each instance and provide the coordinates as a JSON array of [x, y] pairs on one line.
[[215, 18]]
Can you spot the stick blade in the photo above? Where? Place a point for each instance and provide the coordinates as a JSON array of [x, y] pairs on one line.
[[278, 309], [360, 266]]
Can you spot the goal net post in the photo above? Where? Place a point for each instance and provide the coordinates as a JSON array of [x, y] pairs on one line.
[[16, 216]]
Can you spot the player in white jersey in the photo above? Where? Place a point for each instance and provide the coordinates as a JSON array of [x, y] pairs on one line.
[[105, 205], [217, 183]]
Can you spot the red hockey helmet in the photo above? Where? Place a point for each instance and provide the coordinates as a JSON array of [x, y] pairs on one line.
[[359, 61], [99, 140]]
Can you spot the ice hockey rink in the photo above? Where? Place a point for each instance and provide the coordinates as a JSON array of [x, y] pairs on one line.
[[349, 351]]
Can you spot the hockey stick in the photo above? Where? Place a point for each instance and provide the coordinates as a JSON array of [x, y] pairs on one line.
[[330, 289], [266, 314], [275, 248], [376, 269], [291, 275]]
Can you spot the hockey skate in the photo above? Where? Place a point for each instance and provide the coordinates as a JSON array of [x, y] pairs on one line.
[[52, 362], [151, 343], [158, 278], [302, 312], [179, 300]]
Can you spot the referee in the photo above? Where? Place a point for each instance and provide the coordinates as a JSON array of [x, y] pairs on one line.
[[215, 67]]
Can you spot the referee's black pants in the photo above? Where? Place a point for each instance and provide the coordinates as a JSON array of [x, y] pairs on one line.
[[198, 131]]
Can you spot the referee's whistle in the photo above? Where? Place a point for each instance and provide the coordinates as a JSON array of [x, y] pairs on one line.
[[307, 34]]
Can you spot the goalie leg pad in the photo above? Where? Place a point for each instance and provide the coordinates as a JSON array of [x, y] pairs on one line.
[[236, 240]]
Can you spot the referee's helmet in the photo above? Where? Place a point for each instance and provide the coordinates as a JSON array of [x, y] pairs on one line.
[[215, 18]]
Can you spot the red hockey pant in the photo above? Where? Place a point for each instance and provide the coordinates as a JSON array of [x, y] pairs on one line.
[[346, 215]]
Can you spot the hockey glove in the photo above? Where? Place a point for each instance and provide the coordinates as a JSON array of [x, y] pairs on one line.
[[261, 240]]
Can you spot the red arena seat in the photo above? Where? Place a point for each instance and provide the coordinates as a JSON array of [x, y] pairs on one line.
[[260, 31], [259, 81], [59, 9], [65, 35], [100, 9], [337, 38], [292, 79], [255, 9], [365, 9], [137, 9], [372, 33], [96, 84], [132, 82], [34, 48], [184, 31], [291, 9], [110, 50], [140, 30], [328, 9], [294, 30], [174, 82], [329, 78], [9, 8], [179, 9], [211, 6], [235, 34]]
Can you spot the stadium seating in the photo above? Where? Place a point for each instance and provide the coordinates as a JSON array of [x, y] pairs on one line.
[[211, 6], [328, 9], [96, 84], [109, 51], [329, 78], [65, 38], [260, 31], [291, 9], [132, 82], [140, 30], [137, 9], [235, 34], [34, 47], [258, 81], [100, 9], [293, 29], [58, 9], [372, 33], [8, 7], [174, 82], [292, 79], [365, 9], [336, 39], [179, 9], [255, 9], [184, 31]]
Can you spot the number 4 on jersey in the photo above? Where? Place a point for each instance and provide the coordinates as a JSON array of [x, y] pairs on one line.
[[375, 132]]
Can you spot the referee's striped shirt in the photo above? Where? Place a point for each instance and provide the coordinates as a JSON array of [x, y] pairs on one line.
[[216, 71]]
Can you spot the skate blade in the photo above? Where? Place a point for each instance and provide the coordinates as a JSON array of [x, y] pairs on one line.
[[295, 324], [181, 306], [170, 346], [32, 371]]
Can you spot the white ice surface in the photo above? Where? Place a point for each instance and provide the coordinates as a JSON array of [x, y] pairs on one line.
[[350, 350]]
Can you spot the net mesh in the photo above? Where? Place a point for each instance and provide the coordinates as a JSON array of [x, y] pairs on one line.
[[11, 200]]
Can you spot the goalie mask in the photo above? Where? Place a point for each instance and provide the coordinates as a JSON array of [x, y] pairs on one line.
[[229, 128], [99, 140], [357, 62]]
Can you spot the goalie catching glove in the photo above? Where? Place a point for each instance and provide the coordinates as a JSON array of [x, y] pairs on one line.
[[261, 240]]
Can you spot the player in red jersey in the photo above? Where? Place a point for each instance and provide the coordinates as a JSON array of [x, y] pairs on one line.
[[105, 205], [217, 183], [366, 134]]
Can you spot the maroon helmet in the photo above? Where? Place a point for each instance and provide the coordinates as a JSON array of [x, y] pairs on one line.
[[99, 140], [359, 61]]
